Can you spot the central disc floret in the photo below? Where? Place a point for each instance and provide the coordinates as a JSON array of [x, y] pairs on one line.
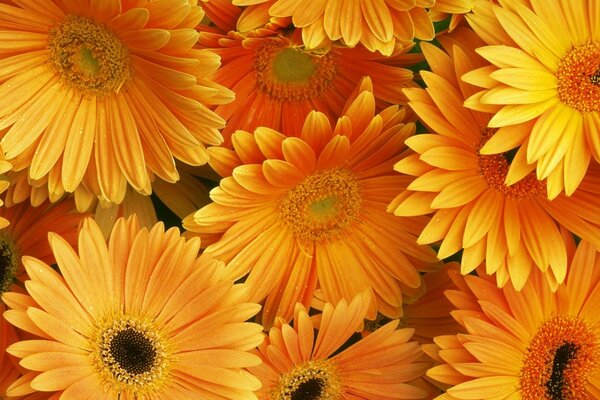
[[322, 204], [88, 56], [131, 354], [9, 263], [313, 380], [578, 77], [494, 169], [290, 73], [560, 359]]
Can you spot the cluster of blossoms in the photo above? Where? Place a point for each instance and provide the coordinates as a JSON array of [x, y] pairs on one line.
[[300, 200]]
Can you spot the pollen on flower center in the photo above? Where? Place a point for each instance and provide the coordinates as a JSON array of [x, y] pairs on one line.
[[578, 77], [89, 56], [9, 262], [130, 354], [322, 205], [560, 359], [494, 169], [291, 73], [312, 380]]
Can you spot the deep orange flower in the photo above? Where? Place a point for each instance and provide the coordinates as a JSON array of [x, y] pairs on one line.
[[278, 81]]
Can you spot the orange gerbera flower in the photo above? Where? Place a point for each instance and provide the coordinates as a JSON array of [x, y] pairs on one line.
[[529, 345], [228, 16], [377, 24], [542, 84], [296, 365], [102, 94], [138, 317], [513, 226], [278, 82], [314, 206], [27, 235]]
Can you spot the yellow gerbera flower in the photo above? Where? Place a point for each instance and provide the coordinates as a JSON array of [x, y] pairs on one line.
[[314, 207], [542, 83], [102, 94], [529, 345], [298, 365], [514, 227], [278, 81], [138, 317]]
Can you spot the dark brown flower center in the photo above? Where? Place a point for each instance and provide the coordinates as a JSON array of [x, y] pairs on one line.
[[133, 351], [9, 264], [309, 390]]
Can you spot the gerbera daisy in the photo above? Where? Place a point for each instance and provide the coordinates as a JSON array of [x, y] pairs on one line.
[[314, 206], [296, 365], [278, 81], [105, 93], [27, 235], [527, 345], [377, 24], [542, 84], [513, 226], [138, 317], [228, 16]]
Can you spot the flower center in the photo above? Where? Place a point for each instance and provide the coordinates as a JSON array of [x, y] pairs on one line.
[[494, 168], [130, 354], [89, 56], [9, 262], [312, 380], [578, 77], [290, 73], [560, 359], [322, 205]]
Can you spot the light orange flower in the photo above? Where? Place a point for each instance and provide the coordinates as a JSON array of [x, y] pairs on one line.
[[541, 84], [314, 207], [298, 365], [138, 317], [513, 226], [377, 24], [102, 94], [242, 15], [278, 81], [529, 345]]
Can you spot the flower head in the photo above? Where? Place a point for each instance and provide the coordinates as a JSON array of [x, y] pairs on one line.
[[491, 206], [298, 365], [540, 85], [278, 81], [314, 206], [138, 317], [100, 95], [532, 344]]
